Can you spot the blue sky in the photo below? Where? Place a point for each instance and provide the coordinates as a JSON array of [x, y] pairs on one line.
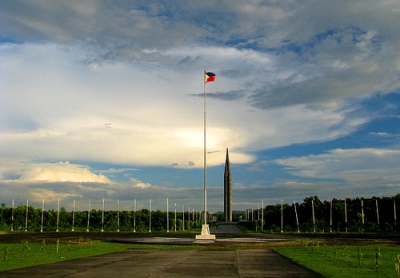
[[104, 100]]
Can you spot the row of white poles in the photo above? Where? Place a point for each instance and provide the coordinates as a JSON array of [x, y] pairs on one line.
[[193, 215], [189, 212], [313, 214]]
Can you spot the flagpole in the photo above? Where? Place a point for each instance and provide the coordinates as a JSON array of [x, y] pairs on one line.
[[205, 230], [205, 154]]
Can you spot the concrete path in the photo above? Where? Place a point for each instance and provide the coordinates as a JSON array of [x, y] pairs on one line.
[[171, 263]]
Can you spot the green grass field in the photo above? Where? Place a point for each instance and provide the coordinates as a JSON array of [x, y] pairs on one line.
[[346, 261], [18, 255]]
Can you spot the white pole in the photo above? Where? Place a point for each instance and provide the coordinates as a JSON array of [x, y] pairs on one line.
[[150, 218], [330, 220], [58, 213], [41, 222], [167, 217], [205, 231], [175, 218], [88, 218], [73, 216], [362, 214], [377, 213], [297, 218], [12, 217], [345, 213], [281, 216], [262, 215], [118, 216], [134, 216], [102, 218], [183, 217], [313, 213], [26, 216], [205, 154], [394, 214]]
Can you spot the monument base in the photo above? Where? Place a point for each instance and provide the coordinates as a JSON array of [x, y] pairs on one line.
[[205, 233]]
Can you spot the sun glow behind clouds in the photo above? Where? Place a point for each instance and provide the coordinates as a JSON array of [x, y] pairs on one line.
[[28, 172]]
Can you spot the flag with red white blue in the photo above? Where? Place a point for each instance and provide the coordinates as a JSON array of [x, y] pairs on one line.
[[209, 77]]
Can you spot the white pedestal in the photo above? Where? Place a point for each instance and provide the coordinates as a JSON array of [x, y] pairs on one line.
[[205, 233]]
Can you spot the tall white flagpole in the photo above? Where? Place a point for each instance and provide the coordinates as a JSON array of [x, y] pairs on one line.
[[205, 153], [205, 231]]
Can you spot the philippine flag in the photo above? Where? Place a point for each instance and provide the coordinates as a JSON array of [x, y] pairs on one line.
[[209, 77]]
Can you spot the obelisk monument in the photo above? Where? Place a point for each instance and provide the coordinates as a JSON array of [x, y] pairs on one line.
[[227, 189]]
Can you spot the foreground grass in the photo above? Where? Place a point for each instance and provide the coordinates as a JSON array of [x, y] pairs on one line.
[[18, 255], [346, 261]]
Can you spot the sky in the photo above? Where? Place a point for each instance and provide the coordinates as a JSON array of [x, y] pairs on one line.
[[104, 100]]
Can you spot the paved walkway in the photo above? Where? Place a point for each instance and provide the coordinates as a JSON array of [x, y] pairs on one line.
[[171, 263]]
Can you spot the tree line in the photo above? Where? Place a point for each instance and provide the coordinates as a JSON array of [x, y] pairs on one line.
[[312, 215], [350, 215], [35, 220]]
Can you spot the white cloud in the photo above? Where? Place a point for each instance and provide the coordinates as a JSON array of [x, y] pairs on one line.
[[139, 184], [28, 172], [154, 120], [366, 165]]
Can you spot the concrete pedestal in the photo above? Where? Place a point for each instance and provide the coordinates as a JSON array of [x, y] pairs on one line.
[[205, 233]]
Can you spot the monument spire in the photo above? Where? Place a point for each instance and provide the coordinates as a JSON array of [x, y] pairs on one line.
[[227, 189]]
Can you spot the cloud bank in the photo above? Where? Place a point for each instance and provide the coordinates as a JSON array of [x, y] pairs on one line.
[[120, 86]]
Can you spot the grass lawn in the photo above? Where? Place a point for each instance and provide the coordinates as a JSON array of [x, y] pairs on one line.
[[346, 261], [18, 255]]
